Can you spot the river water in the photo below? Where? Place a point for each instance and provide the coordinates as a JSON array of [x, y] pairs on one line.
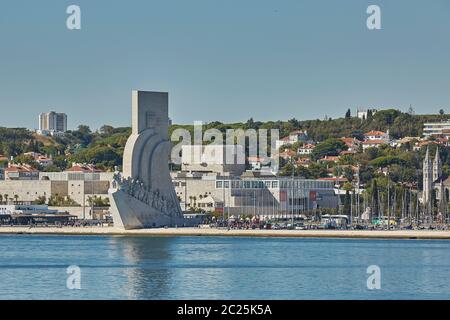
[[35, 267]]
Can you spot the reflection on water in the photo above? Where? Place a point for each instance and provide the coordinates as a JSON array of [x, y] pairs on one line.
[[153, 264], [34, 267], [149, 276]]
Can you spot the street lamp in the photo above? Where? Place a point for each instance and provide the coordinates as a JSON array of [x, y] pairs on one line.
[[292, 192], [92, 185]]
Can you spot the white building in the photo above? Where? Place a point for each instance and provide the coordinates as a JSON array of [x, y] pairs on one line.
[[362, 113], [377, 135], [10, 209], [20, 172], [52, 123], [293, 137], [256, 163], [41, 159], [436, 129], [221, 159], [374, 139], [79, 185], [306, 149], [29, 213], [253, 194]]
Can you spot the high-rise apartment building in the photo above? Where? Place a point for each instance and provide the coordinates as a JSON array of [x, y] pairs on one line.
[[436, 129], [51, 123]]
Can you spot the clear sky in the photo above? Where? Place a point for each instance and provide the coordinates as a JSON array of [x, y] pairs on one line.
[[225, 60]]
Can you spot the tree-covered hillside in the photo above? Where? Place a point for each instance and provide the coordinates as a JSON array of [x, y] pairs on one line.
[[398, 123], [105, 146]]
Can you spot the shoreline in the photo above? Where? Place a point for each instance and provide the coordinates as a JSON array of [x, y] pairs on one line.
[[198, 232]]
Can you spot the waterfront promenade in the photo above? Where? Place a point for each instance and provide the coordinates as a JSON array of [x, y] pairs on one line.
[[174, 232]]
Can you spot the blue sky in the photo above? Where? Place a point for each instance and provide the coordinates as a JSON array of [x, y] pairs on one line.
[[221, 60]]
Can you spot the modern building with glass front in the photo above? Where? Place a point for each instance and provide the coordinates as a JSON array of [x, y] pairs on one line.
[[257, 196]]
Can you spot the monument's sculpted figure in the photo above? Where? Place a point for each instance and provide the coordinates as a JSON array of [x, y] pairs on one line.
[[143, 196]]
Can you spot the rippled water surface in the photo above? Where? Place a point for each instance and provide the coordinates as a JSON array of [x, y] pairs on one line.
[[34, 267]]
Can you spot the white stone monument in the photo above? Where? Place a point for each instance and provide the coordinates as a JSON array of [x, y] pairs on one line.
[[144, 196]]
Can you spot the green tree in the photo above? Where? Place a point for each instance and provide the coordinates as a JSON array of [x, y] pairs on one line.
[[84, 134], [375, 200], [348, 114], [329, 147], [40, 200], [52, 168], [106, 130], [26, 159], [98, 201], [294, 122], [286, 170], [348, 173], [347, 203], [318, 170], [60, 201]]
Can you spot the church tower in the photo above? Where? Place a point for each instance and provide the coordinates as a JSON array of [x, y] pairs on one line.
[[427, 179], [437, 167]]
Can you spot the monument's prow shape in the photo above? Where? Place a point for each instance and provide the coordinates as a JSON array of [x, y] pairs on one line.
[[144, 196]]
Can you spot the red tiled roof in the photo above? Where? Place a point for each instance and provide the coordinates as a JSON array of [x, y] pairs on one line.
[[286, 154], [424, 143], [348, 140], [330, 158], [375, 133], [307, 146], [20, 168]]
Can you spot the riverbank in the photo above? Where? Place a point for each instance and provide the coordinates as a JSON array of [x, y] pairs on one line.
[[179, 232]]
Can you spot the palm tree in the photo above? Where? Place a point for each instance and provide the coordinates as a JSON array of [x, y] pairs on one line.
[[1, 198], [6, 198], [16, 198]]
